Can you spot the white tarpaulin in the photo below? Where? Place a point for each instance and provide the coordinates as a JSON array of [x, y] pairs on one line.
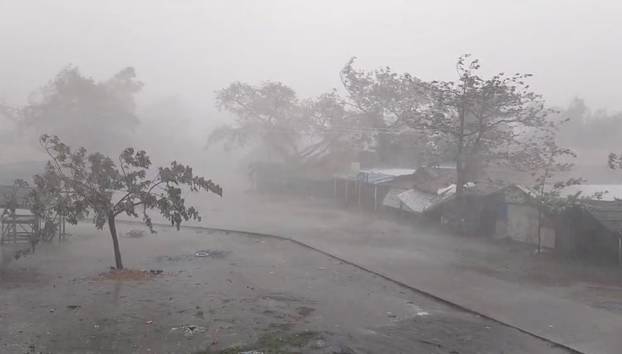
[[391, 199], [416, 200]]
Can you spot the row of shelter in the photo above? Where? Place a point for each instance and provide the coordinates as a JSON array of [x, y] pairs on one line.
[[497, 209]]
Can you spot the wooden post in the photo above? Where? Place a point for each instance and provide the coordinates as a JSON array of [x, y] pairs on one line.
[[14, 227], [375, 197], [61, 227], [619, 250], [346, 197], [359, 193]]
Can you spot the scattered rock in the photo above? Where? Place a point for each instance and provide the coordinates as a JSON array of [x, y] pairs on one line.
[[341, 349], [320, 343], [190, 330], [73, 307], [201, 253], [135, 233], [129, 274], [211, 253], [304, 311]]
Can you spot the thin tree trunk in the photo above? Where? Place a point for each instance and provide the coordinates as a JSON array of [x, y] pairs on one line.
[[115, 241], [460, 177], [619, 251], [540, 207], [539, 230]]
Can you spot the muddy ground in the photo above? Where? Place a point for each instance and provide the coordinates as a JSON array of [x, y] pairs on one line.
[[592, 282], [245, 293]]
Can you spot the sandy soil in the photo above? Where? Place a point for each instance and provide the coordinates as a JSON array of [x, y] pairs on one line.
[[244, 293]]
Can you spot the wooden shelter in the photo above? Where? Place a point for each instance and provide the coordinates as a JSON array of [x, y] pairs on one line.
[[19, 226], [594, 230]]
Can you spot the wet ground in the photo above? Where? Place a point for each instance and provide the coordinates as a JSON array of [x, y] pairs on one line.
[[586, 281], [238, 294]]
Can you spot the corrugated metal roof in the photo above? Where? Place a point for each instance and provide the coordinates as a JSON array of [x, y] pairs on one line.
[[608, 213], [392, 200], [416, 200], [448, 193], [430, 180], [613, 191], [378, 175], [374, 177], [395, 172]]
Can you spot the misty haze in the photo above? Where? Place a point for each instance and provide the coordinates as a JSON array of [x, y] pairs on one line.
[[325, 177]]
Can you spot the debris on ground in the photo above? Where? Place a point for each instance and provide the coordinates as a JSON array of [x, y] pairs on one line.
[[320, 343], [279, 342], [211, 253], [304, 311], [135, 233], [201, 253], [73, 307], [129, 274], [190, 330], [22, 252]]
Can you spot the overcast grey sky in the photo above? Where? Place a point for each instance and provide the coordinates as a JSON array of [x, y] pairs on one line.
[[191, 48]]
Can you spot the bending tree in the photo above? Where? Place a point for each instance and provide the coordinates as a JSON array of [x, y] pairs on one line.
[[386, 103], [299, 132], [270, 114], [545, 161], [486, 120], [93, 183]]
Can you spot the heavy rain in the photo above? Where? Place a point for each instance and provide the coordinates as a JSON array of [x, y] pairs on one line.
[[325, 177]]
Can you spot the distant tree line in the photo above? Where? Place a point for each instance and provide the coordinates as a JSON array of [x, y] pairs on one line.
[[97, 114], [586, 128]]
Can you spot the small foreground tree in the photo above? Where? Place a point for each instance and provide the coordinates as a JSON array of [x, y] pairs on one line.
[[84, 183], [546, 161]]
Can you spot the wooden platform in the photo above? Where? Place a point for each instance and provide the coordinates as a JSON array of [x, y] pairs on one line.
[[19, 228]]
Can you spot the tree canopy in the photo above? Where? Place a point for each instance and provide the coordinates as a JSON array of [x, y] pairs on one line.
[[80, 183], [387, 103], [474, 120], [295, 131], [96, 114]]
